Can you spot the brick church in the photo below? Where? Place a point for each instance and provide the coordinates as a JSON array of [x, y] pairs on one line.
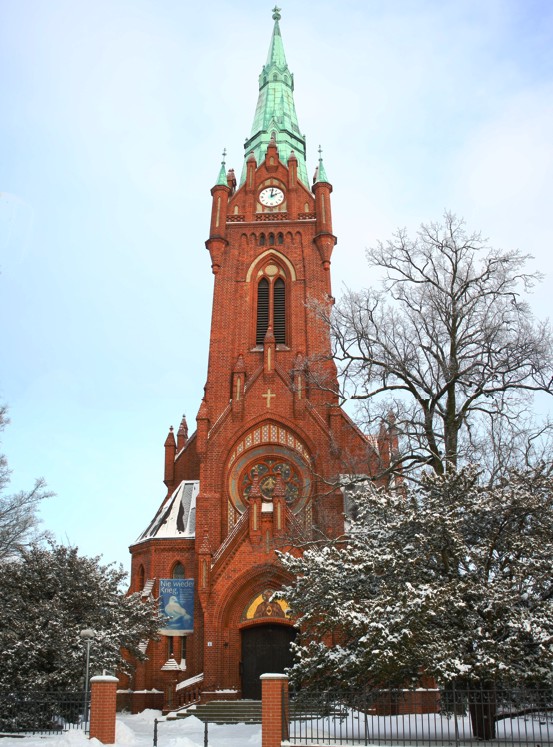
[[259, 473]]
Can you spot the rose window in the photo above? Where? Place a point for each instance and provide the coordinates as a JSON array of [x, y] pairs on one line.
[[267, 471]]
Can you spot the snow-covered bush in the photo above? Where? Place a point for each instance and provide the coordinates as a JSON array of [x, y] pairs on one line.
[[451, 578], [49, 595]]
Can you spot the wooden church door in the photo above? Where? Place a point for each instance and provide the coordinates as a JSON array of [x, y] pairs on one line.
[[265, 648]]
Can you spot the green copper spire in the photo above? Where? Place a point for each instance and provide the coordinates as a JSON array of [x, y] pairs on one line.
[[276, 112], [321, 172], [223, 171]]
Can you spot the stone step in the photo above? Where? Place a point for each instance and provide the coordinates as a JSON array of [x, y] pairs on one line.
[[225, 712], [246, 712]]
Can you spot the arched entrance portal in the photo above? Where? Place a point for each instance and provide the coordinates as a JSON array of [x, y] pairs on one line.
[[265, 648]]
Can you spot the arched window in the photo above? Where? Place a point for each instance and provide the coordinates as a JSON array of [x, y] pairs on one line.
[[141, 577], [280, 238], [262, 240], [271, 239], [271, 307], [178, 571]]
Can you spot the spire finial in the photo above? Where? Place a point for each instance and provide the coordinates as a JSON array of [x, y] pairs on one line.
[[223, 171], [170, 440], [320, 175], [276, 13], [183, 427]]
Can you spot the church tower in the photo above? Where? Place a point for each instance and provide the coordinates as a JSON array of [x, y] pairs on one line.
[[259, 473]]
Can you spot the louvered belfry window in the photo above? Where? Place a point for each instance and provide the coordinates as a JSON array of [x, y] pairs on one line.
[[271, 307], [279, 317], [262, 310]]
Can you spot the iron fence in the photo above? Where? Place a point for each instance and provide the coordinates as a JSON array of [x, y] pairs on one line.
[[423, 716], [42, 712]]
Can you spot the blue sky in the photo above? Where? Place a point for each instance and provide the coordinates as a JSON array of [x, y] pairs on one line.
[[114, 116]]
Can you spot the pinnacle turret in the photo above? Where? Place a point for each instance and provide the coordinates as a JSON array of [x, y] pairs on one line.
[[222, 179], [320, 173], [182, 433], [275, 114]]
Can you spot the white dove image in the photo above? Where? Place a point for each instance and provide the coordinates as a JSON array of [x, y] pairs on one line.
[[174, 610]]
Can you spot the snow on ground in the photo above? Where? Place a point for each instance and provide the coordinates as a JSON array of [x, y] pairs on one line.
[[138, 731]]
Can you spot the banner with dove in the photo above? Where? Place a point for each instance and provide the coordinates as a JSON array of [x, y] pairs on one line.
[[176, 602]]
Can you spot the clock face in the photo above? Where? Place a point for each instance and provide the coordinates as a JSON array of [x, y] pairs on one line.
[[271, 196]]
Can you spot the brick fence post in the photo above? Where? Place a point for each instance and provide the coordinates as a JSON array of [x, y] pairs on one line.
[[103, 702], [274, 708]]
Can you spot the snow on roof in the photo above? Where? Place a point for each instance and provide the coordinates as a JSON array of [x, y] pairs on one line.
[[171, 665], [177, 515]]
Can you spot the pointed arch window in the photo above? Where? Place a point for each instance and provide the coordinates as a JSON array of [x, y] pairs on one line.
[[271, 306], [178, 570]]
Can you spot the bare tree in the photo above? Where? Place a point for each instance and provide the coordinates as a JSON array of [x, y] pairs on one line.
[[18, 511], [448, 344]]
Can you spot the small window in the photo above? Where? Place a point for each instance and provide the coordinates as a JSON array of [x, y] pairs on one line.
[[271, 239], [262, 240], [280, 238], [178, 571], [141, 577]]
